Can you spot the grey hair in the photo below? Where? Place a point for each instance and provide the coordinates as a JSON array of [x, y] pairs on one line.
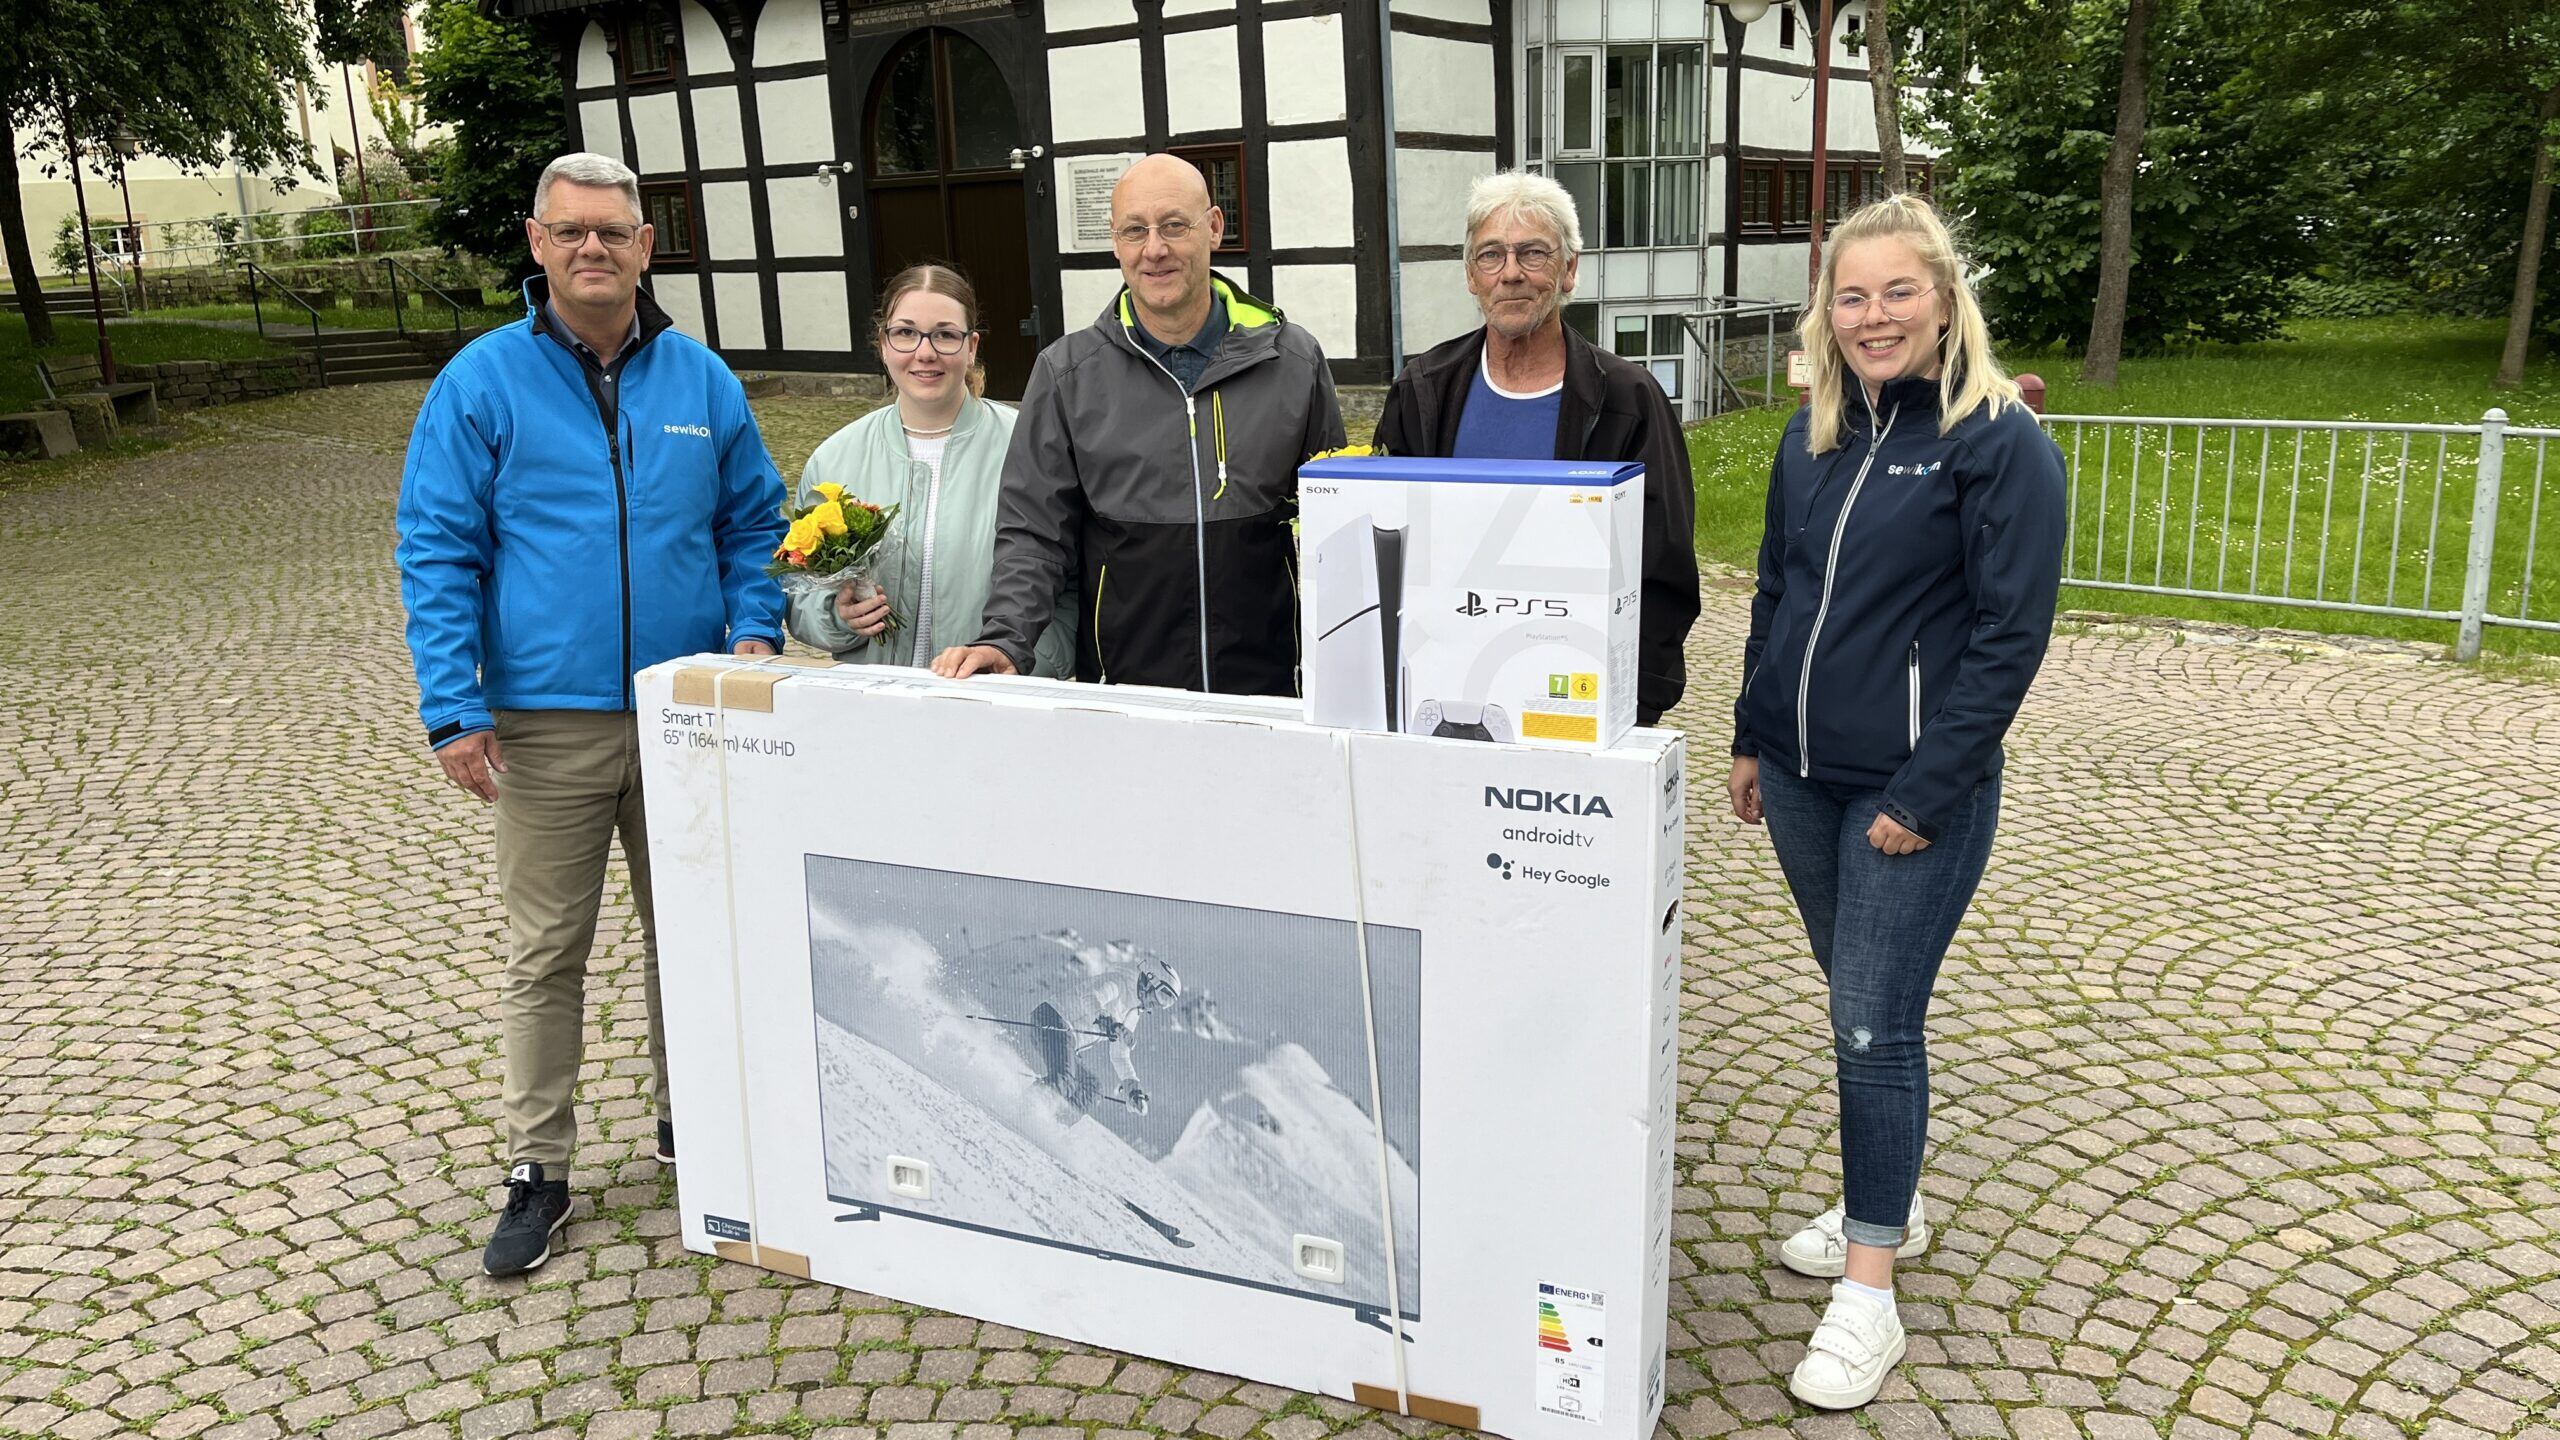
[[1516, 194], [587, 168]]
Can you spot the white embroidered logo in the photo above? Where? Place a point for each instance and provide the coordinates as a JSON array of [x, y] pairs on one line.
[[700, 432]]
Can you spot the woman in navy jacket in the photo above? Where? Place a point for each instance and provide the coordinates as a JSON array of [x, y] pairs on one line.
[[1912, 549]]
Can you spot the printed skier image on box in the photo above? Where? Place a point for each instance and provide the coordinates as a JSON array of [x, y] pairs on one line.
[[1165, 1081]]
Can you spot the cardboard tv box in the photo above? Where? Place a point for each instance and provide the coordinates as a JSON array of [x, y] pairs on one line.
[[1472, 599], [1175, 1025]]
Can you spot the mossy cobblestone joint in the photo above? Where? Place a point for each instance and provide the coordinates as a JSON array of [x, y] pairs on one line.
[[2245, 1066]]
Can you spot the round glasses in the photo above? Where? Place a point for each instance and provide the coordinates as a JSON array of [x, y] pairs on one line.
[[1898, 303], [1534, 258], [905, 338], [1171, 232]]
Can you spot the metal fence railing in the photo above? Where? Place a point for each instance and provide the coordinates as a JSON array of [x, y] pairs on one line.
[[2436, 522]]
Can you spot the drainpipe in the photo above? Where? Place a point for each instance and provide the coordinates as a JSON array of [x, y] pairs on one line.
[[1395, 243]]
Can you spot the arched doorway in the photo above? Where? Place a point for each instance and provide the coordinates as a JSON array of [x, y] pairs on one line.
[[939, 134]]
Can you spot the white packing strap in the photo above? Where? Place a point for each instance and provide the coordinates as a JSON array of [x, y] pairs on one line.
[[1377, 1107], [737, 981]]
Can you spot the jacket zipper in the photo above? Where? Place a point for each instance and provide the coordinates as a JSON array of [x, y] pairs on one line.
[[1199, 507], [1101, 665], [1915, 695], [924, 584], [622, 540], [1830, 571]]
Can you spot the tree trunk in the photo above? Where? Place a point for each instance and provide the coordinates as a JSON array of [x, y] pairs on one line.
[[2537, 220], [2115, 199], [1888, 96], [13, 234]]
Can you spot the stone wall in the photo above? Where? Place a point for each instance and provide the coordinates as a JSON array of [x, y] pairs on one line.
[[195, 384]]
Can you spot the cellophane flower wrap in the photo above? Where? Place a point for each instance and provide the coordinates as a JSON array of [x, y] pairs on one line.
[[832, 544]]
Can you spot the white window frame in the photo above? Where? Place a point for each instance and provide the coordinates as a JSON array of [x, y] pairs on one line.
[[1597, 57]]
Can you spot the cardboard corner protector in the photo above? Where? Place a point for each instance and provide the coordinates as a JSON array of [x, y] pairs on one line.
[[786, 1262], [698, 685], [1421, 1407]]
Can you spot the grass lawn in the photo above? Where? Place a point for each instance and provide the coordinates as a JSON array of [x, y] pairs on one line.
[[136, 342], [2386, 530], [283, 316]]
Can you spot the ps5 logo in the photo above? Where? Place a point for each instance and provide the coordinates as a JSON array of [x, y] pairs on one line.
[[1559, 802], [1514, 605]]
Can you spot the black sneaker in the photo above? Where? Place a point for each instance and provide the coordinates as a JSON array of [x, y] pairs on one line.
[[536, 1209], [666, 1142]]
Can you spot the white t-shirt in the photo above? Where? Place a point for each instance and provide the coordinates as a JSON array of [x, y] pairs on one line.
[[929, 452]]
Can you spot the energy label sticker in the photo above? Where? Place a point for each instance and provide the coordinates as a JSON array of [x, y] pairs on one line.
[[1573, 1329]]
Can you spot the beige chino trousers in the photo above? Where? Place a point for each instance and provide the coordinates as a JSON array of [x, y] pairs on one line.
[[572, 781]]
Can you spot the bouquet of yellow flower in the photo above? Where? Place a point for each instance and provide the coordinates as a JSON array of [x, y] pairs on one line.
[[831, 545]]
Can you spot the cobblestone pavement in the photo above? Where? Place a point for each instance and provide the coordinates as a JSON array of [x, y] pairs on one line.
[[2245, 1066]]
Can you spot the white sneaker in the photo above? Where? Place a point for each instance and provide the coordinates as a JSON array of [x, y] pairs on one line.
[[1857, 1344], [1821, 1251]]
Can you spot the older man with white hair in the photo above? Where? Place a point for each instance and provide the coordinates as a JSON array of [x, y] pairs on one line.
[[585, 495], [1527, 386]]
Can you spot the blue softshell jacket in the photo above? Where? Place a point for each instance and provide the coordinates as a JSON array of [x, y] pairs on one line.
[[543, 560], [1907, 584]]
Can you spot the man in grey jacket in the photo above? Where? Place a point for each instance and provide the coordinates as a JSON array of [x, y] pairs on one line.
[[1156, 465]]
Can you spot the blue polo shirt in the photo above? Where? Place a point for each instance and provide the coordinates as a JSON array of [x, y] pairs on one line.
[[1191, 357]]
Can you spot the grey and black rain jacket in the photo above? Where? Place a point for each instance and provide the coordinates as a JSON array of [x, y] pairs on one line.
[[1168, 515]]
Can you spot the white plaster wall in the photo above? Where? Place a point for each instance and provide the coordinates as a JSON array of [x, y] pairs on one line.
[[718, 139], [814, 313], [706, 45], [1195, 7], [1302, 70], [1774, 272], [681, 297], [805, 216], [1325, 301], [1437, 305], [595, 63], [1094, 92], [740, 306], [600, 128], [1443, 85], [799, 128], [1463, 12], [1315, 178], [657, 129], [728, 220], [1201, 89], [789, 32], [1431, 193], [1083, 293], [1064, 15]]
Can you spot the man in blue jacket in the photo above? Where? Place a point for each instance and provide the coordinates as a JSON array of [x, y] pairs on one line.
[[585, 496]]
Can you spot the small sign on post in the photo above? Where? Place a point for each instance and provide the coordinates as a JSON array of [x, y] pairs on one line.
[[1800, 375]]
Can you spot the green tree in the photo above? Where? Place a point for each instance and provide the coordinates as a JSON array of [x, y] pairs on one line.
[[499, 88], [2439, 120], [2027, 101], [202, 83]]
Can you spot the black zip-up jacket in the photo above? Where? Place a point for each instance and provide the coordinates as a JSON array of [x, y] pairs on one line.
[[1163, 517], [1907, 584], [1612, 411]]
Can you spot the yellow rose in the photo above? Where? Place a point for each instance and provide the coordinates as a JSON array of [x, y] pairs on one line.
[[830, 491], [829, 518], [804, 535]]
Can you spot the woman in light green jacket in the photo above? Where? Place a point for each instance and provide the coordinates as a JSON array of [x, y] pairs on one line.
[[938, 455]]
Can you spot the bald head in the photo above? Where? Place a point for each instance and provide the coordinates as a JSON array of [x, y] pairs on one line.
[[1163, 228], [1160, 180]]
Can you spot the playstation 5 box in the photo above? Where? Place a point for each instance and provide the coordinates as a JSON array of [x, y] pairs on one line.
[[1176, 1025], [1472, 599]]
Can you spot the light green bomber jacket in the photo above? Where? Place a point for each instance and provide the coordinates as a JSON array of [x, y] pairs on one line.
[[945, 531]]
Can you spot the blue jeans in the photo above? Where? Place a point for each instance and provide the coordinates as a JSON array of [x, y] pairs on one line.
[[1880, 926]]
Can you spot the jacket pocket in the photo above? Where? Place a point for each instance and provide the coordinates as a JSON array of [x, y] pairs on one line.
[[1914, 674]]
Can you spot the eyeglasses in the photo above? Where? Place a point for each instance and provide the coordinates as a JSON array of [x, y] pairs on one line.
[[1533, 258], [1171, 232], [905, 338], [569, 234], [1898, 303]]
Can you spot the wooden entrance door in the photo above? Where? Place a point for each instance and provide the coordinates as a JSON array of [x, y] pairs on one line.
[[939, 134]]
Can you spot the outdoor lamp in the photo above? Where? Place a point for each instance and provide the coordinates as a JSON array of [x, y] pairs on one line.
[[126, 143], [1745, 11]]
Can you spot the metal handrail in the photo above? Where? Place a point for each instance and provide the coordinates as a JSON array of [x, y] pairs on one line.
[[394, 270], [319, 351]]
